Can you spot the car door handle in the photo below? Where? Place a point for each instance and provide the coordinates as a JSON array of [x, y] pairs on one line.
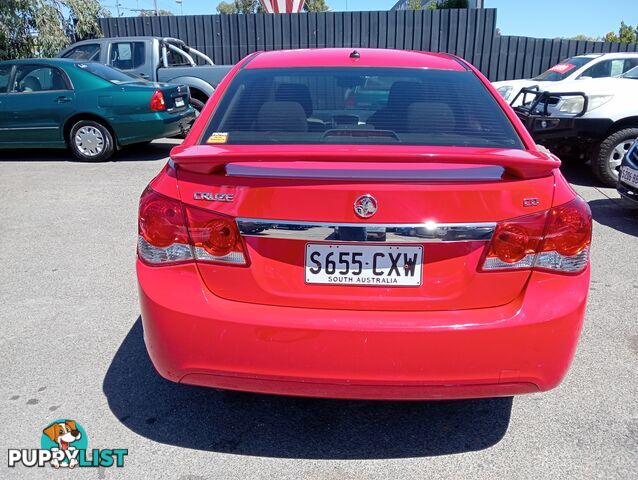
[[63, 99], [143, 75]]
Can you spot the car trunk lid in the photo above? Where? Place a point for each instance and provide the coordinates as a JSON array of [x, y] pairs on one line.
[[445, 205]]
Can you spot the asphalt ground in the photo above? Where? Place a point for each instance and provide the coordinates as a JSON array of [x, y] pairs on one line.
[[71, 347]]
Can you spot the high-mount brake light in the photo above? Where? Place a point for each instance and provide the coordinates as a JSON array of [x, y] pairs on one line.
[[171, 232], [557, 239]]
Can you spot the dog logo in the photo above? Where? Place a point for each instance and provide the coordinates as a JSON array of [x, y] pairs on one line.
[[64, 435], [64, 444], [365, 206]]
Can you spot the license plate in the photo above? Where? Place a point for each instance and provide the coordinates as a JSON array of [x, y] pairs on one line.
[[179, 102], [629, 176], [364, 265]]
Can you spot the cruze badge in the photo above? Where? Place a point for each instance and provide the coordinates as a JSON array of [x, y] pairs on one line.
[[214, 197], [365, 206]]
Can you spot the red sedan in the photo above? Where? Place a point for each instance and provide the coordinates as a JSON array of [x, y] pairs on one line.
[[362, 224]]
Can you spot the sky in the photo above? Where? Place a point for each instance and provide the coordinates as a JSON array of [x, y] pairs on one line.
[[532, 18]]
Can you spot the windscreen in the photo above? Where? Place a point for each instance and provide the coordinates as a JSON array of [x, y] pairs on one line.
[[563, 69], [359, 105], [108, 73], [633, 74]]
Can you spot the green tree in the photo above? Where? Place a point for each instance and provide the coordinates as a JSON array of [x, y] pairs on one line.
[[445, 4], [626, 34], [239, 6], [160, 13], [30, 28], [16, 24], [584, 38], [316, 6], [415, 4]]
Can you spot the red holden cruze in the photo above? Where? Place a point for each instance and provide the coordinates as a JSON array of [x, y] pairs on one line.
[[362, 224]]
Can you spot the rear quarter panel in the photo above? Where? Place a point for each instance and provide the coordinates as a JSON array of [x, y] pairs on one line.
[[125, 110]]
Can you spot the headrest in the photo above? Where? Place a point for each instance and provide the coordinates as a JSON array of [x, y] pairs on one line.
[[430, 117], [31, 84], [282, 117], [295, 92]]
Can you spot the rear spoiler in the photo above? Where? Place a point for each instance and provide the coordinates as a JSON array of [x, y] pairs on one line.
[[214, 158]]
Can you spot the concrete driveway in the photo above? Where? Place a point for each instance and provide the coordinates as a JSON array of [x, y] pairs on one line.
[[72, 347]]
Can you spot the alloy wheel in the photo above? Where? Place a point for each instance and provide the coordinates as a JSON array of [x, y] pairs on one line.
[[618, 153], [89, 141]]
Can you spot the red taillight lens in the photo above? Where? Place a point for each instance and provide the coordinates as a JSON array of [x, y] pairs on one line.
[[514, 239], [171, 232], [157, 101], [557, 239], [569, 228], [215, 236], [161, 220]]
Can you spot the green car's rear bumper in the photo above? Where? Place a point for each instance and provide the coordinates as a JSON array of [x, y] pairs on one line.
[[151, 125]]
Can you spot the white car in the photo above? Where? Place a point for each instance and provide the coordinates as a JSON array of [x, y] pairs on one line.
[[595, 65], [594, 119]]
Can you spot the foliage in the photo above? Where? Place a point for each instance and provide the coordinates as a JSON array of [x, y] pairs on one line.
[[584, 38], [445, 4], [16, 25], [240, 6], [160, 13], [31, 28], [626, 34], [415, 4], [316, 6]]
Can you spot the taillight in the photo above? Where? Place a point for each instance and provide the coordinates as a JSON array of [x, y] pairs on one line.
[[171, 232], [557, 239], [214, 237], [157, 101]]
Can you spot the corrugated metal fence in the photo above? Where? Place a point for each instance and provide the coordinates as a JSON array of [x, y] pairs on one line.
[[470, 34]]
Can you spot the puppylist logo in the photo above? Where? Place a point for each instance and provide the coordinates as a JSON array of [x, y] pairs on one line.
[[64, 444]]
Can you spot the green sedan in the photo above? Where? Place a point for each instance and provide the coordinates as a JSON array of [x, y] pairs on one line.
[[88, 107]]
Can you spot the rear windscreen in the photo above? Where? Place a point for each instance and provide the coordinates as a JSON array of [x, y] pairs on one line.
[[358, 105], [109, 74]]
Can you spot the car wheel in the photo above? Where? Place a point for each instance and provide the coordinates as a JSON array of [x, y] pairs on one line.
[[610, 153], [198, 105], [91, 141]]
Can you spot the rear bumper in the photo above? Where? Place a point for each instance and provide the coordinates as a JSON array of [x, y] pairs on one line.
[[197, 338], [628, 193], [149, 126]]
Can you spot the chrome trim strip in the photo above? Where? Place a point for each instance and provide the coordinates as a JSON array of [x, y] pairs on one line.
[[366, 232], [29, 128]]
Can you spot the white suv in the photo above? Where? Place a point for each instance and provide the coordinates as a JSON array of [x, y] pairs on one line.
[[595, 65], [592, 119]]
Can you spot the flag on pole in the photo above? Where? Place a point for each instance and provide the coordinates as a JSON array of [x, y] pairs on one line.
[[282, 6]]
